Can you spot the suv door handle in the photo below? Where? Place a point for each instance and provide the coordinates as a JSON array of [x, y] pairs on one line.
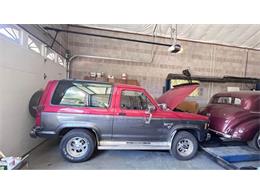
[[121, 114]]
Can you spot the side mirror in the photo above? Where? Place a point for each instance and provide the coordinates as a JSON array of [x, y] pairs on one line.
[[150, 109], [163, 106]]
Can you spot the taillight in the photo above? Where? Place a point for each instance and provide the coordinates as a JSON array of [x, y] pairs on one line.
[[39, 109]]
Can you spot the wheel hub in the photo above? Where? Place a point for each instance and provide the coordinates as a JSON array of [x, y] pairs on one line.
[[77, 146], [185, 147]]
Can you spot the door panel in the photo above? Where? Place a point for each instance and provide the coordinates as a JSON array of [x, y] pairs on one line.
[[134, 128], [129, 124]]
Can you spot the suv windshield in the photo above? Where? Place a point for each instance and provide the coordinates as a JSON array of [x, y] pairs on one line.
[[81, 93]]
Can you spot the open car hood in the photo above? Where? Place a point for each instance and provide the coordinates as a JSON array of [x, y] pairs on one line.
[[175, 96]]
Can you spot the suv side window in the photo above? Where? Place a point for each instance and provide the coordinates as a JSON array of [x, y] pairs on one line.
[[134, 100], [82, 94]]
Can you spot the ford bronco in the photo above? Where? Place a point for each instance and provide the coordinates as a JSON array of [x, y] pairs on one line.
[[90, 115]]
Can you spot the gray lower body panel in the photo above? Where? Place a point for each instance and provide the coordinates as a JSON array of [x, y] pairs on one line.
[[132, 145]]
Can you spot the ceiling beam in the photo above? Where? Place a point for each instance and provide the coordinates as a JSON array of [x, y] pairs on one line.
[[141, 41]]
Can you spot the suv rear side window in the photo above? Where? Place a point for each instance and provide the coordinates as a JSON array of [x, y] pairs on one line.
[[82, 94], [134, 100]]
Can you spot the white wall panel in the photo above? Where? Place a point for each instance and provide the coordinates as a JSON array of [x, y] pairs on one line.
[[21, 74]]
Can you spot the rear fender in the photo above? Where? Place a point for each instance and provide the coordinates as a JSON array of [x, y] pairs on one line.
[[83, 125]]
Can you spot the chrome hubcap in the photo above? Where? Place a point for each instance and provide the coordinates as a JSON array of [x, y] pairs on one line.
[[77, 146], [185, 147]]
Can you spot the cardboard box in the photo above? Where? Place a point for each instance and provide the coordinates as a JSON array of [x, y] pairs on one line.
[[123, 81], [101, 79], [189, 106], [110, 80], [133, 82]]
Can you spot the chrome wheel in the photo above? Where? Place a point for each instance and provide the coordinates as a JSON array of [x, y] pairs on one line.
[[77, 146], [185, 147]]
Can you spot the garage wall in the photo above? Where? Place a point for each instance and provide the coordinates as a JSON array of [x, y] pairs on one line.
[[21, 74], [150, 64]]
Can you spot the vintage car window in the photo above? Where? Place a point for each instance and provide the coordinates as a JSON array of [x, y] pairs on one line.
[[134, 100], [224, 100], [237, 101], [82, 94]]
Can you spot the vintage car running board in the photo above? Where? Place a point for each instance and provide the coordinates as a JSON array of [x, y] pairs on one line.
[[133, 145]]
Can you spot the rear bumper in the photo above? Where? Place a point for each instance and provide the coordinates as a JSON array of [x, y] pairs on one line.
[[221, 134], [37, 131]]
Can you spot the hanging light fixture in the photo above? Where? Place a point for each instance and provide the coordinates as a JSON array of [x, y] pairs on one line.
[[175, 48]]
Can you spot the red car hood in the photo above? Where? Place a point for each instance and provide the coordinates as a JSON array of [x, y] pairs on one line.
[[177, 95]]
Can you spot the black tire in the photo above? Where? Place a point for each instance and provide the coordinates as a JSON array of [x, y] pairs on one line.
[[192, 146], [255, 142], [67, 150], [34, 102]]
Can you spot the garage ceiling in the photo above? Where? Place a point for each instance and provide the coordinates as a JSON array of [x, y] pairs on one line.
[[239, 35]]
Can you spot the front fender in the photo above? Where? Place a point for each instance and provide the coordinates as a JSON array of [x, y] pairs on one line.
[[246, 130], [197, 131]]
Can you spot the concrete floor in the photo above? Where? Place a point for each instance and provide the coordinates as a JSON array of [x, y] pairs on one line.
[[47, 157]]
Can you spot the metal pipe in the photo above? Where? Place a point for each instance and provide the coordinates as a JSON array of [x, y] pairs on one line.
[[109, 37], [96, 57], [54, 39]]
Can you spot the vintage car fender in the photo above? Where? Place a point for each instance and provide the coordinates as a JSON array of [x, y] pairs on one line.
[[246, 130]]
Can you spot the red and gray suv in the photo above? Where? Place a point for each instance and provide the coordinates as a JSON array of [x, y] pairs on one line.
[[93, 115]]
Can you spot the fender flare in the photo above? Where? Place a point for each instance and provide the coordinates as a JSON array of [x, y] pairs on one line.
[[193, 129], [81, 125]]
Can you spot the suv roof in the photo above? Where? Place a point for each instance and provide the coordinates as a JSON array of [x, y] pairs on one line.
[[102, 82]]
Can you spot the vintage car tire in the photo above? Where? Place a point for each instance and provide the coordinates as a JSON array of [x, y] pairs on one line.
[[254, 143], [190, 141], [76, 153], [34, 101]]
